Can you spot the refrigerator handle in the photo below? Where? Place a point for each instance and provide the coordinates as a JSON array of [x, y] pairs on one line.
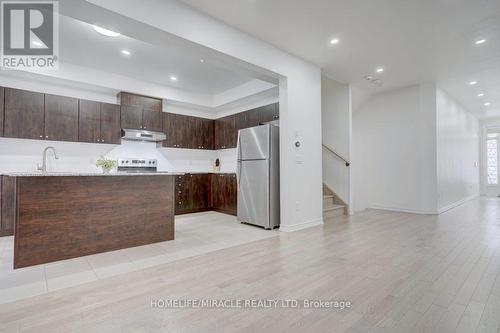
[[238, 145], [238, 170], [238, 161]]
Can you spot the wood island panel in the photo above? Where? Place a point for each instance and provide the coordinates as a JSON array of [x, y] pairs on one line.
[[7, 205], [66, 217]]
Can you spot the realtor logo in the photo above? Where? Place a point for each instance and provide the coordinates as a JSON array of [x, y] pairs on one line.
[[30, 35]]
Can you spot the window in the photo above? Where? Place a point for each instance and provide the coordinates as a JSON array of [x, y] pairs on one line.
[[492, 158]]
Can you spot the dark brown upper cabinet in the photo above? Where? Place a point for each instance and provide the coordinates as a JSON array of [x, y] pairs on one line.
[[110, 124], [184, 128], [269, 112], [89, 124], [203, 133], [99, 122], [170, 130], [187, 132], [152, 120], [207, 134], [252, 118], [24, 114], [61, 118], [1, 110], [225, 132], [140, 112], [131, 117]]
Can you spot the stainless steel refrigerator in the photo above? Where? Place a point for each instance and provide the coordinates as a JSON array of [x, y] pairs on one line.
[[258, 176]]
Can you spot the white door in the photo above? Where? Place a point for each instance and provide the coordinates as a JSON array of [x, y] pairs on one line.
[[492, 163]]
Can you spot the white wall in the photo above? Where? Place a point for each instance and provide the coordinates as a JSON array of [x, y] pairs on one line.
[[458, 139], [300, 97], [394, 151], [336, 132]]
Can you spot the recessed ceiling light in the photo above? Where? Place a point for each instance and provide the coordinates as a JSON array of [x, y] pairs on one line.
[[480, 95], [480, 41], [202, 60], [334, 41], [173, 78], [106, 32], [472, 83], [126, 52], [487, 104], [379, 70]]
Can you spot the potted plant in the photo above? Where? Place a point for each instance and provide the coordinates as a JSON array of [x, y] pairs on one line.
[[105, 164]]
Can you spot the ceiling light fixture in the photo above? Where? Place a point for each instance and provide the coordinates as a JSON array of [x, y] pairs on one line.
[[173, 78], [379, 70], [472, 83], [126, 52], [487, 104], [334, 41], [106, 32], [202, 60], [480, 41], [480, 95]]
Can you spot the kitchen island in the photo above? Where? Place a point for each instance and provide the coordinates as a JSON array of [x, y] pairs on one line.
[[62, 216]]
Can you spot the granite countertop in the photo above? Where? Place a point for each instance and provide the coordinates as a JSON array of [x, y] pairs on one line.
[[92, 174], [88, 174]]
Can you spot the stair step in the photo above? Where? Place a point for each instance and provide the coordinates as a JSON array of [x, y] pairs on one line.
[[332, 207]]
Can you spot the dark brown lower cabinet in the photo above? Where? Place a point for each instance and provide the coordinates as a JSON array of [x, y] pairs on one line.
[[7, 205], [202, 192], [192, 193], [224, 192]]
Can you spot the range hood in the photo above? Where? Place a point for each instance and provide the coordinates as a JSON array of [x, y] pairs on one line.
[[142, 135]]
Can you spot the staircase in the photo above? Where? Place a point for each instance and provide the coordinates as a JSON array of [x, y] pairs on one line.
[[333, 206]]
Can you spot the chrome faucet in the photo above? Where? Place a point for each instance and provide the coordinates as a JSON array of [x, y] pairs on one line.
[[43, 167]]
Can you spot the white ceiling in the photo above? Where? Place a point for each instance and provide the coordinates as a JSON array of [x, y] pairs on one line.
[[81, 45], [414, 40]]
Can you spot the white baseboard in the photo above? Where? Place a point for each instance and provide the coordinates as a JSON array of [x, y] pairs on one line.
[[404, 210], [456, 203], [424, 212], [300, 226]]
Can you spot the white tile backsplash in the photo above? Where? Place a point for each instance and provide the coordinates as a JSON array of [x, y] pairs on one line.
[[19, 155]]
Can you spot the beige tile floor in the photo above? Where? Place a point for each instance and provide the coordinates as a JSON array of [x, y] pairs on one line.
[[195, 234]]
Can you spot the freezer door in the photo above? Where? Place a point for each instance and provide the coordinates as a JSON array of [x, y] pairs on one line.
[[253, 192], [253, 143]]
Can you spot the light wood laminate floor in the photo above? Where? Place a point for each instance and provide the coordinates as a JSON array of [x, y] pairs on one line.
[[402, 272]]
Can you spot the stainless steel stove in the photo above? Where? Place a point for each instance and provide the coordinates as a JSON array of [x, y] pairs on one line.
[[137, 165]]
